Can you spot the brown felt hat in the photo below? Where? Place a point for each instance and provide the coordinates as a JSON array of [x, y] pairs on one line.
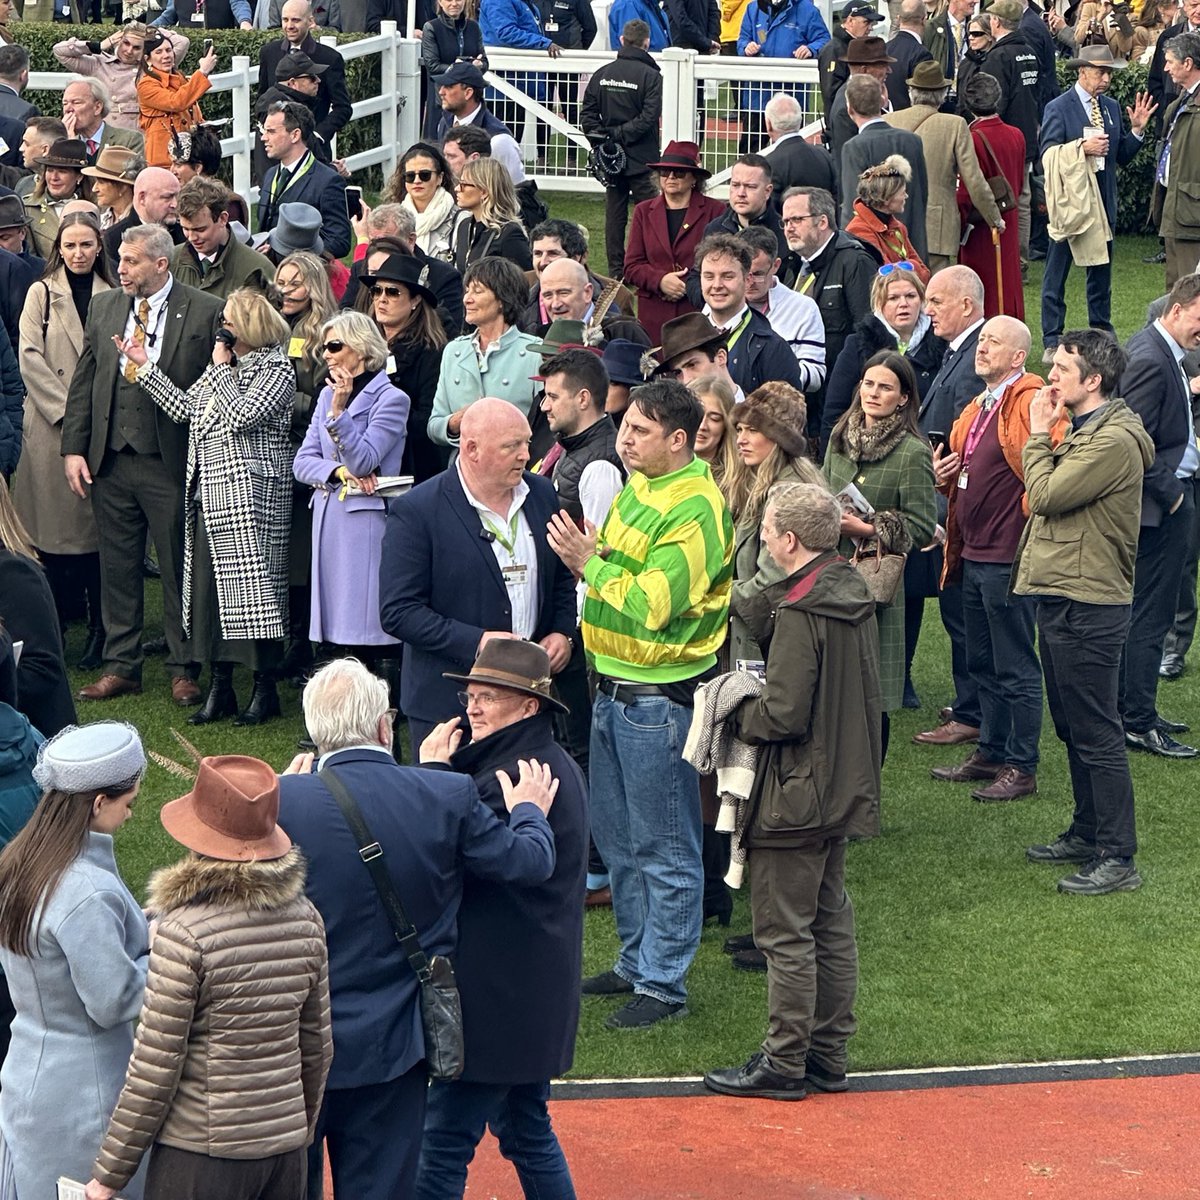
[[231, 812], [515, 664], [928, 75], [778, 412], [117, 164], [865, 52], [685, 333]]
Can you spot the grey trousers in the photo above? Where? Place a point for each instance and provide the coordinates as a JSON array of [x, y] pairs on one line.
[[180, 1175], [1181, 258], [804, 924], [132, 493]]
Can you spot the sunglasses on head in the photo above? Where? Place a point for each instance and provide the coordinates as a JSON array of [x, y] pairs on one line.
[[888, 268], [424, 175], [380, 289], [334, 347]]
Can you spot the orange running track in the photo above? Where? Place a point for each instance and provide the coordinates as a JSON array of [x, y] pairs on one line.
[[1104, 1139]]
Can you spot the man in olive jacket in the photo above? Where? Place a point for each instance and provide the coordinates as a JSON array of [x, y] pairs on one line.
[[817, 727], [1077, 558]]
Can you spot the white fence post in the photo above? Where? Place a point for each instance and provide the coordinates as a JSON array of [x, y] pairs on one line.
[[242, 134], [389, 72], [679, 94], [406, 86]]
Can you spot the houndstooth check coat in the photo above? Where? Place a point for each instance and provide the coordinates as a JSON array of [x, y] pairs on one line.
[[239, 469]]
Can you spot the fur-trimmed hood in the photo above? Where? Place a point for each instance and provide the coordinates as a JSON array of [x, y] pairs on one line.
[[259, 886]]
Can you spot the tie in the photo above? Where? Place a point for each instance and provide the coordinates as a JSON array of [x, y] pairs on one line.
[[1097, 115], [956, 28], [1164, 157], [92, 147], [139, 336]]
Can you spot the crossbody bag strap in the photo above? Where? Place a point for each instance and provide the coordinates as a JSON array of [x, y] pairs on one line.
[[988, 147], [371, 852]]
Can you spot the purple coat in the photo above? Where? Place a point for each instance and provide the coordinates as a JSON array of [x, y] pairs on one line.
[[347, 535]]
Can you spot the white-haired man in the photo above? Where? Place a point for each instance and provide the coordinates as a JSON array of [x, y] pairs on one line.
[[794, 162], [430, 827]]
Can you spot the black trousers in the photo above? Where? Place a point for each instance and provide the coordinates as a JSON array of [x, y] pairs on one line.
[[616, 215], [373, 1138], [966, 692], [1183, 627], [132, 493], [180, 1175], [1161, 553], [1081, 659]]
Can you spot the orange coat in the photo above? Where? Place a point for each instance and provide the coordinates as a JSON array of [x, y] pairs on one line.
[[1012, 428], [168, 105], [891, 240]]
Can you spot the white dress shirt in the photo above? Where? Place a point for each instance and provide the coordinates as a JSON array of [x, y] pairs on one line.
[[156, 323]]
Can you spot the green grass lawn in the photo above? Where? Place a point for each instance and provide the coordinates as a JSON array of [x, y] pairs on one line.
[[968, 953]]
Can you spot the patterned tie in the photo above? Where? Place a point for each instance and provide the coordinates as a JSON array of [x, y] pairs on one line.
[[1097, 115], [92, 147], [956, 27], [139, 336]]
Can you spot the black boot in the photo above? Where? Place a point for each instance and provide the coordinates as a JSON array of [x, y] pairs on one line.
[[93, 650], [220, 701], [264, 701]]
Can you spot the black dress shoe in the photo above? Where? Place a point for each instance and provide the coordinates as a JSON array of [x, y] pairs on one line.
[[1165, 726], [1155, 259], [1162, 744], [755, 1078], [738, 943], [150, 568], [1171, 666], [749, 960], [721, 908]]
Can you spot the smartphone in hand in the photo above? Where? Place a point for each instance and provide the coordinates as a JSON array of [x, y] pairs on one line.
[[354, 206]]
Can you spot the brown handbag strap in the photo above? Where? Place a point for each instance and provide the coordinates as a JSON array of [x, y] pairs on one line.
[[988, 147]]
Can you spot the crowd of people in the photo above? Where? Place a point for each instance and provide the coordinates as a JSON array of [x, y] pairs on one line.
[[640, 560]]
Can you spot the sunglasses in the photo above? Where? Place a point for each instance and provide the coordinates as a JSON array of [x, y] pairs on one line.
[[334, 347], [380, 289], [674, 172], [976, 33], [424, 176], [463, 184], [888, 268]]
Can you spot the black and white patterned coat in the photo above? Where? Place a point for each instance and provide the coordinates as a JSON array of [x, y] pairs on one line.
[[239, 469]]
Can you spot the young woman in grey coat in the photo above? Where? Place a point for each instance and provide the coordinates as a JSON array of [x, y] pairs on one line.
[[74, 948]]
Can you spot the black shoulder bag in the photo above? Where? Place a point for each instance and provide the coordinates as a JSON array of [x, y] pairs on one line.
[[441, 1009]]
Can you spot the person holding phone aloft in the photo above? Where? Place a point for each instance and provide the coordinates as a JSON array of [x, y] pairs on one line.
[[169, 99]]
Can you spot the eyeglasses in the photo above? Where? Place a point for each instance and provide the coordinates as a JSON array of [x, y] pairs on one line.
[[486, 699], [334, 347], [424, 176], [801, 217], [380, 289], [888, 268]]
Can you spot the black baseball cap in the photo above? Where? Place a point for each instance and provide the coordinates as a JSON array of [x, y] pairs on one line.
[[860, 8], [292, 66]]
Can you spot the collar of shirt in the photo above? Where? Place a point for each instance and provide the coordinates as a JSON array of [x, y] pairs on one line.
[[159, 298], [992, 395], [1176, 349], [375, 746], [872, 121], [520, 492], [96, 137], [808, 262], [470, 118], [956, 343], [783, 137], [1085, 98], [732, 323]]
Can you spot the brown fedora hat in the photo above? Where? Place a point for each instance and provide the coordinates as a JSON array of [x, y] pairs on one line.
[[685, 333], [117, 164], [866, 52], [681, 155], [928, 75], [515, 664], [231, 811]]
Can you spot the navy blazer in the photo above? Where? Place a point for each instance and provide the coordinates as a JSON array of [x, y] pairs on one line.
[[323, 188], [1063, 121], [1153, 387], [955, 384], [440, 587], [433, 827], [520, 949]]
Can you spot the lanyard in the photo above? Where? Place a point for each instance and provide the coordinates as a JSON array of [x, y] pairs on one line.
[[737, 333], [807, 283], [509, 543], [305, 167], [977, 430]]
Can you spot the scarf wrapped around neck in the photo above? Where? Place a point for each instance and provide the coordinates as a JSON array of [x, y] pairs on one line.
[[860, 444], [428, 222]]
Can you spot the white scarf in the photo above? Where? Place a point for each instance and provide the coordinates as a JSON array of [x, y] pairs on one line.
[[433, 231]]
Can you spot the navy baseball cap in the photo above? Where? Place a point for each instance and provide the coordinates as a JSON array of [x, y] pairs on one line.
[[468, 74], [859, 8]]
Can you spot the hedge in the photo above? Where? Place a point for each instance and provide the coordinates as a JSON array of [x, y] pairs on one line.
[[362, 76]]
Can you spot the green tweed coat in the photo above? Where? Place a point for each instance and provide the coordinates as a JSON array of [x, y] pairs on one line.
[[894, 471]]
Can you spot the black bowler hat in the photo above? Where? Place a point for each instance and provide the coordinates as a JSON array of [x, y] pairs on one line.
[[405, 269]]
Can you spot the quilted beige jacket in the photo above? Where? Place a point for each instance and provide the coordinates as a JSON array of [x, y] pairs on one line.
[[234, 1043]]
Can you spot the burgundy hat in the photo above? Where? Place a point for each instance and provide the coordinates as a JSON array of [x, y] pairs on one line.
[[866, 52], [231, 811], [681, 154]]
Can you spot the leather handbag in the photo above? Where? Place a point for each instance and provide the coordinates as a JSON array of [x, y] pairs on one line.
[[441, 1008], [882, 571], [1000, 188]]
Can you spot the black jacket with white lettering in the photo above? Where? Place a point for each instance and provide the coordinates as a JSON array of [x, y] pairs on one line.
[[624, 101]]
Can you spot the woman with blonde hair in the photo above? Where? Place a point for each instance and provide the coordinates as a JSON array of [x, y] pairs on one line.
[[74, 948], [306, 301], [356, 435], [239, 501], [167, 98], [716, 439], [490, 222], [881, 197]]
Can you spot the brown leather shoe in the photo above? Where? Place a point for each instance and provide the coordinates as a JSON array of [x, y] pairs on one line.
[[598, 898], [973, 768], [184, 691], [952, 733], [108, 686], [1010, 784]]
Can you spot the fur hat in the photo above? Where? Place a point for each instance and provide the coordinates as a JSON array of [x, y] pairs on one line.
[[778, 412]]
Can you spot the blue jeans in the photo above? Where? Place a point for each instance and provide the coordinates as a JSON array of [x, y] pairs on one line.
[[1054, 293], [455, 1119], [645, 803], [1003, 662]]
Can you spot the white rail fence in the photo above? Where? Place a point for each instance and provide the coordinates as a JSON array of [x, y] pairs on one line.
[[717, 100]]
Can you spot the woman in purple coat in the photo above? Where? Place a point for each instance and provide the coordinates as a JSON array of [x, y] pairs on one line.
[[356, 436]]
